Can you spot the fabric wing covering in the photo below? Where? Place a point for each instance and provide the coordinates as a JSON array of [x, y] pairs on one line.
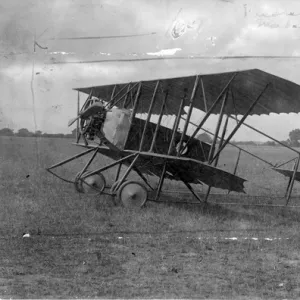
[[281, 96], [288, 173]]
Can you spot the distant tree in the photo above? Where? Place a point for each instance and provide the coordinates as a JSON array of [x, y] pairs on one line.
[[246, 143], [295, 137], [24, 132], [38, 133], [295, 144], [204, 137], [287, 142], [53, 135], [270, 143], [72, 134], [6, 132]]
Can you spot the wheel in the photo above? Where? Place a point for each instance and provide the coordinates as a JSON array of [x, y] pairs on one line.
[[78, 184], [92, 185], [132, 194]]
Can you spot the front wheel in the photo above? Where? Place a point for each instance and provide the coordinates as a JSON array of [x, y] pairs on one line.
[[132, 194], [92, 185]]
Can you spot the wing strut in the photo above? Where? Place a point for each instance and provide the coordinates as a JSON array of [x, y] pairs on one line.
[[240, 122], [158, 121], [113, 92], [136, 100], [113, 96], [126, 96], [212, 148], [77, 123], [161, 181], [136, 169], [223, 134], [175, 126], [188, 115], [129, 90], [236, 165], [191, 189], [149, 115], [204, 94], [209, 112], [291, 183]]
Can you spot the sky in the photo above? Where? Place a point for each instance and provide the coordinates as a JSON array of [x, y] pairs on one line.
[[36, 86]]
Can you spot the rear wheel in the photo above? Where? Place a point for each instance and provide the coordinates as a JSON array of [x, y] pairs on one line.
[[132, 194]]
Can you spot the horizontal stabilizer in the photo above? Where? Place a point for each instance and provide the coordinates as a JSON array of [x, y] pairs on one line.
[[288, 173]]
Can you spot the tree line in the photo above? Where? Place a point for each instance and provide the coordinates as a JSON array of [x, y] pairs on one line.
[[24, 132], [293, 140]]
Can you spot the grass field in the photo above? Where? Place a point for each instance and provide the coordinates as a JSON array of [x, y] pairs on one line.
[[88, 247]]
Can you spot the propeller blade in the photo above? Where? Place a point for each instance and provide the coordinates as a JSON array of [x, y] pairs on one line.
[[72, 121], [93, 109]]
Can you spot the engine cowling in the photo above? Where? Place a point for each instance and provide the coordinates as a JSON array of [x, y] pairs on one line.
[[112, 125]]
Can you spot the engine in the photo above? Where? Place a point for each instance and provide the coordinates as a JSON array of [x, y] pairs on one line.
[[111, 125], [92, 126]]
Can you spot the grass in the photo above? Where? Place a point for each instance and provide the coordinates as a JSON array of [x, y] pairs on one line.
[[87, 247]]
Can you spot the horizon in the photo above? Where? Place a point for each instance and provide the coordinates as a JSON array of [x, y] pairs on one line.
[[15, 132]]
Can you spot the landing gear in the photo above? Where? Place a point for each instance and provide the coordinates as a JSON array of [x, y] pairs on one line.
[[91, 185], [132, 194], [114, 186]]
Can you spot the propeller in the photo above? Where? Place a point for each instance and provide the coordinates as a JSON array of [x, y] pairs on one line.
[[93, 109], [109, 104], [73, 120]]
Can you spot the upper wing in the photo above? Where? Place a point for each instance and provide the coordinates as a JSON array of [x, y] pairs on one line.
[[282, 96]]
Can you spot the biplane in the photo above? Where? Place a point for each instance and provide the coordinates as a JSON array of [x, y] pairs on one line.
[[109, 123]]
